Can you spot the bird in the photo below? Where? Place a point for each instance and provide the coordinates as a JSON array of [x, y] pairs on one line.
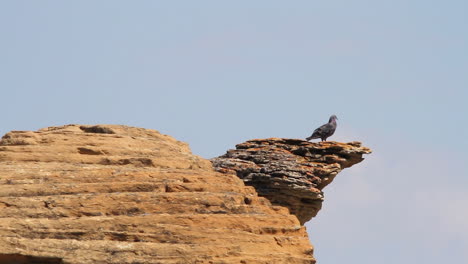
[[325, 131]]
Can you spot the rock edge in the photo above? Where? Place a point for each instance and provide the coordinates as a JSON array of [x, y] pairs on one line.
[[290, 172]]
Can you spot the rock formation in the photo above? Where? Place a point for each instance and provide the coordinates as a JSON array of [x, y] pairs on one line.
[[118, 194], [290, 172]]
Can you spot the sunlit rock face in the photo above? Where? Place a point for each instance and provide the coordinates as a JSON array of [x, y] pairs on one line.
[[119, 194], [290, 172]]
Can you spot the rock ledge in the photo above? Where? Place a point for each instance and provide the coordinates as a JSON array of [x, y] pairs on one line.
[[290, 172]]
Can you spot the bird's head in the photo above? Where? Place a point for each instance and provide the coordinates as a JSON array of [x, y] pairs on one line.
[[333, 118]]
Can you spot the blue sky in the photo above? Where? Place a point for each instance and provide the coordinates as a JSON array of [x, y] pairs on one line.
[[217, 73]]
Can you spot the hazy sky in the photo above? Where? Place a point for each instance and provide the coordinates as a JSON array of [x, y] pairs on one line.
[[217, 73]]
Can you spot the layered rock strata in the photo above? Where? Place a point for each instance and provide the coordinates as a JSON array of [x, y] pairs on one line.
[[290, 172], [118, 194]]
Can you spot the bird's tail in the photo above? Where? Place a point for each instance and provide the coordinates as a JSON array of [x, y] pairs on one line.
[[308, 138]]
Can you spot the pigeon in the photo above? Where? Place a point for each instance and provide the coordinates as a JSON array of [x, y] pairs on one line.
[[325, 131]]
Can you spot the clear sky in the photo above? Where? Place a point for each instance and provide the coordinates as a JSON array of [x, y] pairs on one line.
[[217, 73]]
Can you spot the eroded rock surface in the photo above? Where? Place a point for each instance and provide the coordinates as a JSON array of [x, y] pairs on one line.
[[290, 172], [118, 194]]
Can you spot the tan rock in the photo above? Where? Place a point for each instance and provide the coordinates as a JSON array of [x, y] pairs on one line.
[[118, 194]]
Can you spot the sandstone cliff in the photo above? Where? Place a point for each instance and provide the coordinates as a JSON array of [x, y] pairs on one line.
[[118, 194]]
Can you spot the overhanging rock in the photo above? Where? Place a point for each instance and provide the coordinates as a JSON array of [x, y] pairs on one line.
[[290, 172]]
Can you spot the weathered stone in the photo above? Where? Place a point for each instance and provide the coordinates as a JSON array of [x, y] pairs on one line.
[[290, 172], [118, 194]]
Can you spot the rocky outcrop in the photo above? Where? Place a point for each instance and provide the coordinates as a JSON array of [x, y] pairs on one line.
[[290, 172], [118, 194]]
